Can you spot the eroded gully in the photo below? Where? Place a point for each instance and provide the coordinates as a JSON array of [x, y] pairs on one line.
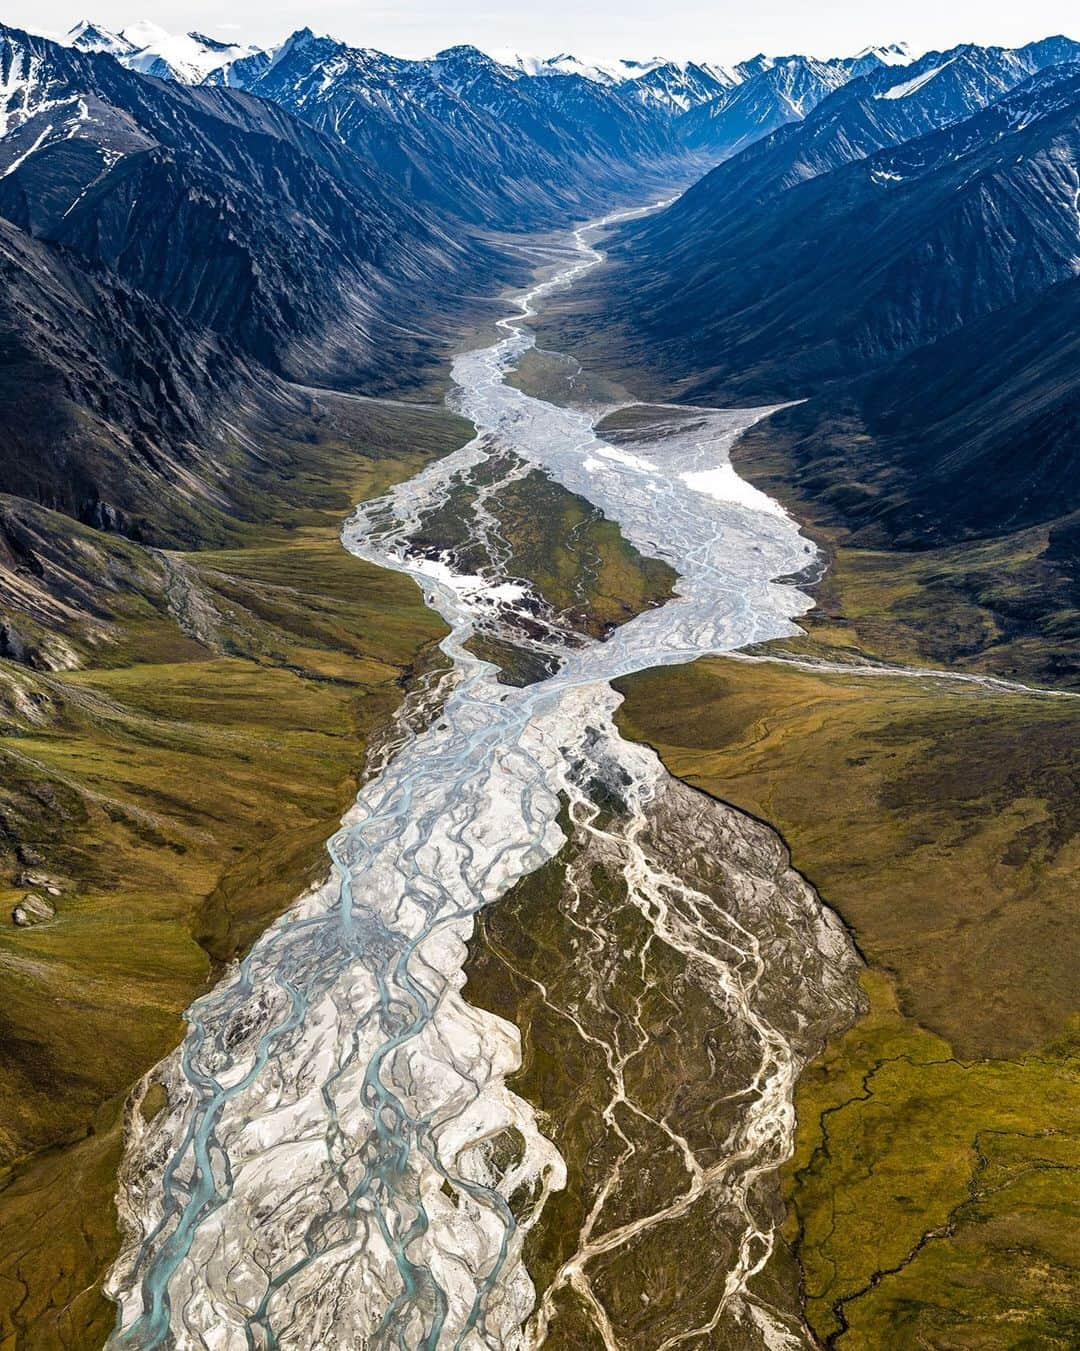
[[326, 1173]]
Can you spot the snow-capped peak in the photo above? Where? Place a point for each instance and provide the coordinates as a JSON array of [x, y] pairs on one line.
[[565, 63], [150, 49], [92, 37], [677, 85], [303, 37], [894, 54]]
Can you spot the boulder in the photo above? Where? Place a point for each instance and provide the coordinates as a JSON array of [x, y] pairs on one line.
[[39, 881], [32, 909]]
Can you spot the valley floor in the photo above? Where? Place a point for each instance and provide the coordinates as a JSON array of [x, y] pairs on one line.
[[932, 1196], [178, 787], [936, 1176]]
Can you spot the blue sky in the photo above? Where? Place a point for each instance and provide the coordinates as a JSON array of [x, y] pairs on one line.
[[707, 29]]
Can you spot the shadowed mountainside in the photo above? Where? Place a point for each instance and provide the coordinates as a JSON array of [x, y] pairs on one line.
[[236, 216]]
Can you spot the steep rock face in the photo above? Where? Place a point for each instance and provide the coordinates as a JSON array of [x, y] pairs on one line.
[[558, 124], [235, 214], [672, 86], [972, 436], [106, 397], [677, 87], [886, 108], [574, 118], [86, 36], [166, 253]]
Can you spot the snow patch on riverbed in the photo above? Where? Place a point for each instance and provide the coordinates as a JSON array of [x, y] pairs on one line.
[[724, 485]]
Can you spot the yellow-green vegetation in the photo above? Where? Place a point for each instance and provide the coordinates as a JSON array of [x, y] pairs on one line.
[[935, 1189], [939, 819], [562, 380], [934, 1202], [1003, 603], [934, 1196], [579, 561], [966, 608], [178, 788]]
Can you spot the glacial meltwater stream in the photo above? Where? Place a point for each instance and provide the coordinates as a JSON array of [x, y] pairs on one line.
[[324, 1175]]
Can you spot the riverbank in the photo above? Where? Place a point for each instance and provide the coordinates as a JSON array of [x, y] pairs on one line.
[[373, 1140], [179, 786], [997, 601], [928, 1196]]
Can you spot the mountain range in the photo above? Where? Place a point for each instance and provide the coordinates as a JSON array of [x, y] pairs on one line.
[[190, 58], [228, 217], [237, 216], [689, 106], [212, 246]]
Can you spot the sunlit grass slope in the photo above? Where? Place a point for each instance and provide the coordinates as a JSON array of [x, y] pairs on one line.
[[935, 1188]]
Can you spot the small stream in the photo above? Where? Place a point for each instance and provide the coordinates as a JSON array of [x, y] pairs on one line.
[[324, 1176]]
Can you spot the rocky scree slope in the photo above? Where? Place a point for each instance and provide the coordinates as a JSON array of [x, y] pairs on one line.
[[237, 216]]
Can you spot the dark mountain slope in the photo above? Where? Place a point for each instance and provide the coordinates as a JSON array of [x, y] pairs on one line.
[[675, 87], [896, 97], [166, 254], [105, 397], [850, 269], [474, 138], [975, 435], [235, 214]]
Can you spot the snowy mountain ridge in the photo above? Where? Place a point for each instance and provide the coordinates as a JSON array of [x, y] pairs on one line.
[[673, 86], [146, 47]]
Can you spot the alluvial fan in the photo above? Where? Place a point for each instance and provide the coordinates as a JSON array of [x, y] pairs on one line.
[[342, 1162]]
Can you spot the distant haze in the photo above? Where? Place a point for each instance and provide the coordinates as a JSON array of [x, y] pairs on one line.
[[704, 29]]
